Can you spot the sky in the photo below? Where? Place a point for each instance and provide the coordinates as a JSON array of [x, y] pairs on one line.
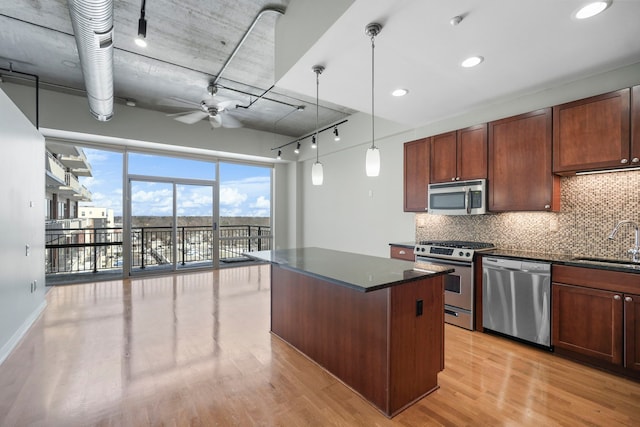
[[244, 190]]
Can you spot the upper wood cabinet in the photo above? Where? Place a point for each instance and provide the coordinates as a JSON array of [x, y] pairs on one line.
[[635, 124], [520, 177], [459, 155], [416, 175], [593, 133]]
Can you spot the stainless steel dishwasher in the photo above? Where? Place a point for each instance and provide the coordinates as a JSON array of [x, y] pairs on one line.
[[516, 299]]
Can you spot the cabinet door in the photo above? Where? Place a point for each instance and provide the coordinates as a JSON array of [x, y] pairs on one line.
[[416, 175], [472, 152], [592, 133], [520, 177], [635, 126], [443, 157], [632, 331], [588, 322]]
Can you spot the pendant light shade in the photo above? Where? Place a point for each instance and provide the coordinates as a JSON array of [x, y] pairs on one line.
[[373, 153], [373, 161], [317, 174]]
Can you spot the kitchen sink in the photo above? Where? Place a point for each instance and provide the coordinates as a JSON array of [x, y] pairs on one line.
[[621, 262]]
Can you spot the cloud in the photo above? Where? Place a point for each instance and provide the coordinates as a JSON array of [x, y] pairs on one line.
[[262, 203], [230, 196]]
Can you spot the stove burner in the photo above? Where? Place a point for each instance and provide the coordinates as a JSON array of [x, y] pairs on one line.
[[450, 249], [460, 244]]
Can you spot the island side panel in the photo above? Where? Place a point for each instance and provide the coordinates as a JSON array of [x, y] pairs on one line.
[[417, 341], [343, 330]]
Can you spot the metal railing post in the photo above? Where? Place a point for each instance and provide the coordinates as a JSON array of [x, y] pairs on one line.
[[95, 250], [142, 247], [183, 242]]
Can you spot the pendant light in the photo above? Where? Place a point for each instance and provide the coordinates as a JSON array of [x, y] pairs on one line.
[[373, 153], [316, 170]]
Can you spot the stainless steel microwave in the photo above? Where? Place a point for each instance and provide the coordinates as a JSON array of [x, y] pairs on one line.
[[458, 198]]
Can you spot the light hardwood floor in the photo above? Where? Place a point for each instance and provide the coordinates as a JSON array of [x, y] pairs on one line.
[[195, 349]]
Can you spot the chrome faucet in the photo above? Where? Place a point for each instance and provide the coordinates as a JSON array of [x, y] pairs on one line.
[[635, 252]]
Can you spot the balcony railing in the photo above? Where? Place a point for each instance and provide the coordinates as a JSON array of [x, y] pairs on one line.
[[74, 250]]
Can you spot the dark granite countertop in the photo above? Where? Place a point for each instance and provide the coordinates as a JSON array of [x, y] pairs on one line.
[[573, 260], [360, 272], [404, 244], [612, 265]]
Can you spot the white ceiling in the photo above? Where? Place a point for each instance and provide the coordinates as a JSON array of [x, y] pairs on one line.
[[527, 45]]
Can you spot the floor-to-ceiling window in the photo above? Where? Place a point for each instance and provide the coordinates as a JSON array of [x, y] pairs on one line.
[[245, 210], [116, 212]]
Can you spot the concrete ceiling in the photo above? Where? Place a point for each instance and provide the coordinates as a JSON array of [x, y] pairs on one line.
[[527, 46], [189, 41]]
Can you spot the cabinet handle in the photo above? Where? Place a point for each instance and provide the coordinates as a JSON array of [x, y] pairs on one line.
[[635, 160], [547, 206], [624, 161], [453, 178], [457, 178], [402, 252], [628, 299], [616, 297]]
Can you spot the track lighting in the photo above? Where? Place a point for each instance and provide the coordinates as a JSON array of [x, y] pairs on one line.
[[141, 40], [279, 155], [313, 142], [297, 150], [335, 132], [373, 153]]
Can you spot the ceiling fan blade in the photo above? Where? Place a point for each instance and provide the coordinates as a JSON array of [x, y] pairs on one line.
[[231, 122], [216, 121], [191, 117]]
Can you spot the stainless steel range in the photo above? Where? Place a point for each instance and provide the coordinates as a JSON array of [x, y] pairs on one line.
[[459, 286]]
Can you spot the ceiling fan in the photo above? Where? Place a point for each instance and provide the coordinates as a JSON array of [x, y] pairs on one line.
[[213, 108]]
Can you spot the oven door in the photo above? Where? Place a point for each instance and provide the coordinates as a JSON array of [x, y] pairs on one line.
[[458, 286]]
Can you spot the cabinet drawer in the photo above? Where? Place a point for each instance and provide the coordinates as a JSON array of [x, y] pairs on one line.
[[402, 252]]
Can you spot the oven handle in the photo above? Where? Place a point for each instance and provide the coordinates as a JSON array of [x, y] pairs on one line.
[[442, 261]]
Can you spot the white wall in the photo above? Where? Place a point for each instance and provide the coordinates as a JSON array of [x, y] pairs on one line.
[[22, 219]]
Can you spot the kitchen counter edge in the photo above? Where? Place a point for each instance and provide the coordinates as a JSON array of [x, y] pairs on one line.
[[342, 274]]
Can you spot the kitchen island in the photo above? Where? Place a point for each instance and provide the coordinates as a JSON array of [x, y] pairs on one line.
[[376, 324]]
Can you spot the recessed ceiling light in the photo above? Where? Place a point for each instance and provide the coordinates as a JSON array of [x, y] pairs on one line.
[[400, 92], [592, 9], [472, 61]]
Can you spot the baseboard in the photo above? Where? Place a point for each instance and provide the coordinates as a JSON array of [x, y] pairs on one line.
[[6, 349]]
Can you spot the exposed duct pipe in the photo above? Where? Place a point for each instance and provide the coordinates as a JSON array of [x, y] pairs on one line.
[[93, 29]]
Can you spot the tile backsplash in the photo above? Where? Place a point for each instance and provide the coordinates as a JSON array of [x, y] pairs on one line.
[[591, 205]]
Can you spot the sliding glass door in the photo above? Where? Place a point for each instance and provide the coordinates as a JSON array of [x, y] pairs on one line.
[[195, 221], [172, 224]]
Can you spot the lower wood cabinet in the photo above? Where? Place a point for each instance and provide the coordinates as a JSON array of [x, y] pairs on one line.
[[401, 252], [588, 321], [596, 316]]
